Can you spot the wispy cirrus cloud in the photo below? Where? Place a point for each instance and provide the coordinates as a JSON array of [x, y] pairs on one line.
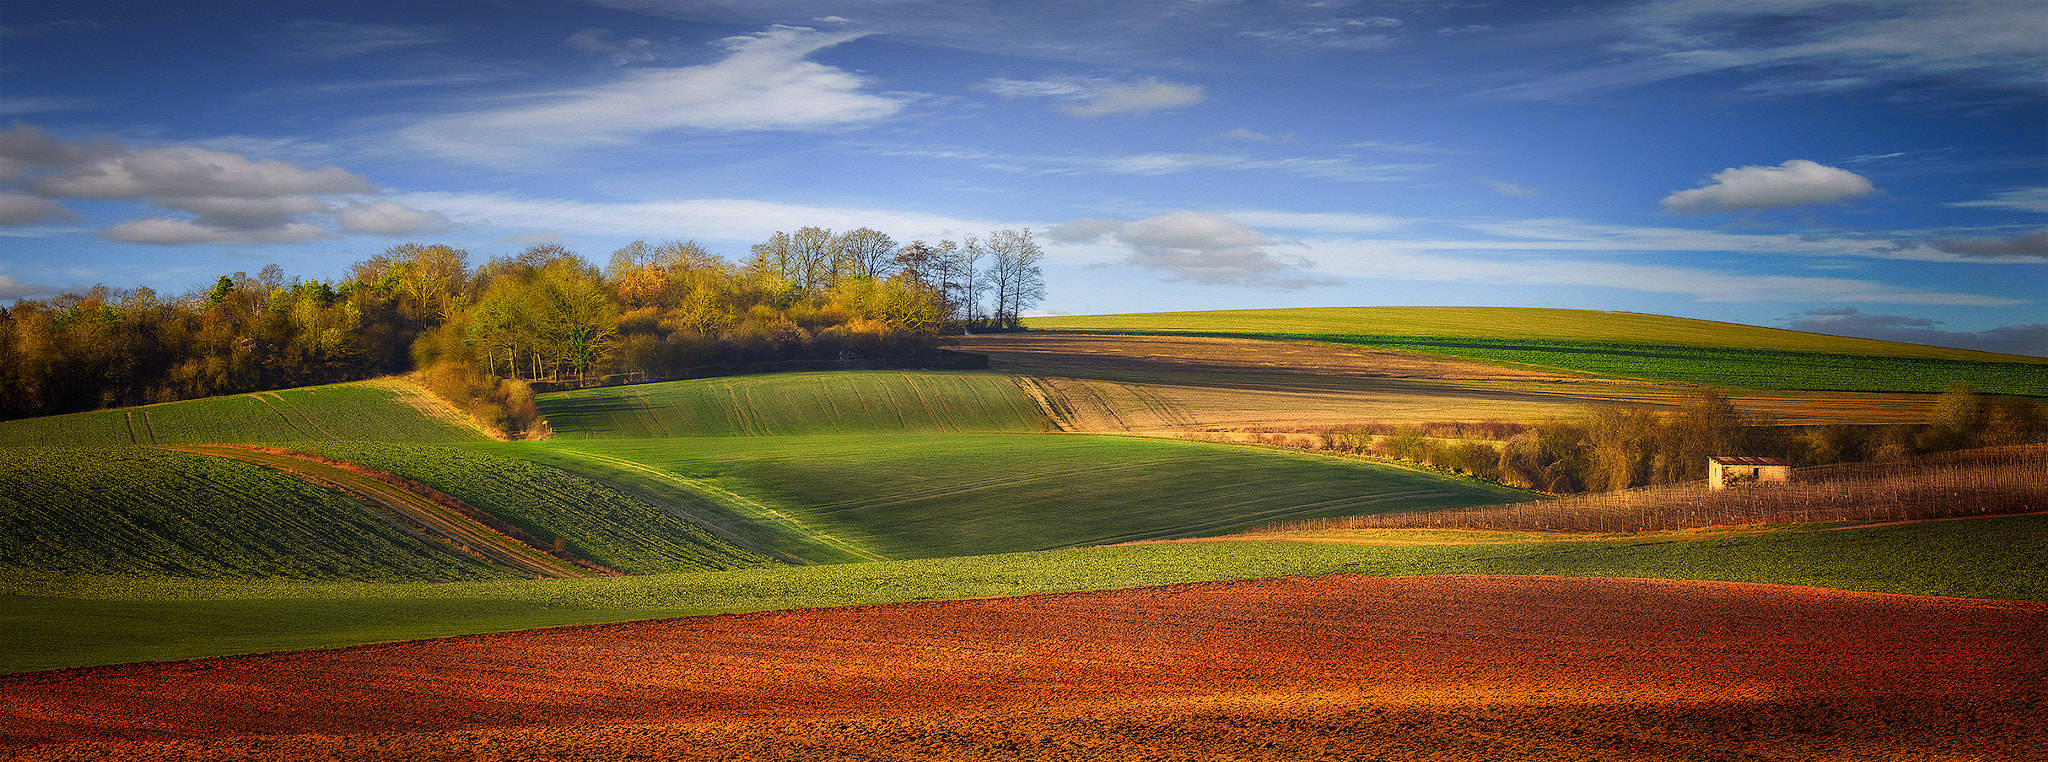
[[765, 82], [1340, 167], [1090, 97], [311, 40], [716, 219]]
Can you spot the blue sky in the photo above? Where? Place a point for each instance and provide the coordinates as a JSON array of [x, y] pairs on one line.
[[1866, 168]]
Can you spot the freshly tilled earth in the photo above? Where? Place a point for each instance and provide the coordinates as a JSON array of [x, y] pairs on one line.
[[1442, 668]]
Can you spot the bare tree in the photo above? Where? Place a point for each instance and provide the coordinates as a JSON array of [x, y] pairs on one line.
[[865, 253], [1014, 275]]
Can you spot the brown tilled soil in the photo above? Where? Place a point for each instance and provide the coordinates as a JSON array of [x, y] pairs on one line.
[[1438, 668], [1167, 384]]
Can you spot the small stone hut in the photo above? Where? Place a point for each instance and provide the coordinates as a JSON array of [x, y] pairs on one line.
[[1724, 471]]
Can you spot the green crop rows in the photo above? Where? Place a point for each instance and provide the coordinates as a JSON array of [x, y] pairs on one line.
[[150, 512], [920, 496], [796, 403], [594, 521], [337, 412]]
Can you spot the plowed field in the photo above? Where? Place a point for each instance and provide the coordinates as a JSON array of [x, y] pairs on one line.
[[1444, 668], [1169, 384]]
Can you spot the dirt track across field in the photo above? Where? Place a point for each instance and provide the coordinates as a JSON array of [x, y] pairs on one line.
[[1171, 384], [1441, 668]]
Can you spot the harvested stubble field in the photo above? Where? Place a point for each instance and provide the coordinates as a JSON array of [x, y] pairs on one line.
[[1442, 668], [1170, 384]]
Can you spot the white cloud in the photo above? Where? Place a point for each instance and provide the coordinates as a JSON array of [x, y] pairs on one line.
[[2023, 199], [23, 209], [164, 231], [14, 288], [231, 198], [764, 83], [1408, 261], [1838, 321], [1506, 188], [1093, 97], [2032, 244], [1339, 168], [1849, 43], [191, 171], [1369, 33], [331, 40], [1198, 248], [711, 219], [387, 218], [1797, 182]]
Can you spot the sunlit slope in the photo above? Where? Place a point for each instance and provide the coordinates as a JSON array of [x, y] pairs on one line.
[[362, 411], [1622, 345], [922, 496], [139, 511], [844, 402], [593, 521]]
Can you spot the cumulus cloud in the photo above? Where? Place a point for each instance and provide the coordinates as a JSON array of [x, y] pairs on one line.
[[1197, 248], [24, 209], [1847, 321], [229, 197], [388, 218], [763, 83], [1797, 182], [14, 288], [1093, 97], [2034, 245]]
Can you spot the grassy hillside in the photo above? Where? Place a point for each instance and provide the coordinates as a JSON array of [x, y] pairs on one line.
[[594, 521], [83, 620], [921, 496], [356, 411], [149, 512], [846, 402], [1625, 345]]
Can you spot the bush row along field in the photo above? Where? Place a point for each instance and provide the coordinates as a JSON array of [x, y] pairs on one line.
[[77, 621], [357, 411], [151, 512], [842, 402], [1995, 481], [593, 520], [920, 496], [1511, 325]]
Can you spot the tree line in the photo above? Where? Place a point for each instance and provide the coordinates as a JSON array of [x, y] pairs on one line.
[[542, 313]]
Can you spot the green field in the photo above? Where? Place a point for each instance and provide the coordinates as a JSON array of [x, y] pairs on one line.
[[824, 489], [91, 620], [845, 402], [1621, 345], [924, 496], [133, 510], [356, 412], [593, 520]]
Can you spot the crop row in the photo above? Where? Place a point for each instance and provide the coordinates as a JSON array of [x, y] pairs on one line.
[[151, 512], [590, 519], [848, 402], [339, 412]]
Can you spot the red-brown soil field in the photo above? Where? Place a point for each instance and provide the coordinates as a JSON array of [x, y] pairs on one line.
[[1353, 668]]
